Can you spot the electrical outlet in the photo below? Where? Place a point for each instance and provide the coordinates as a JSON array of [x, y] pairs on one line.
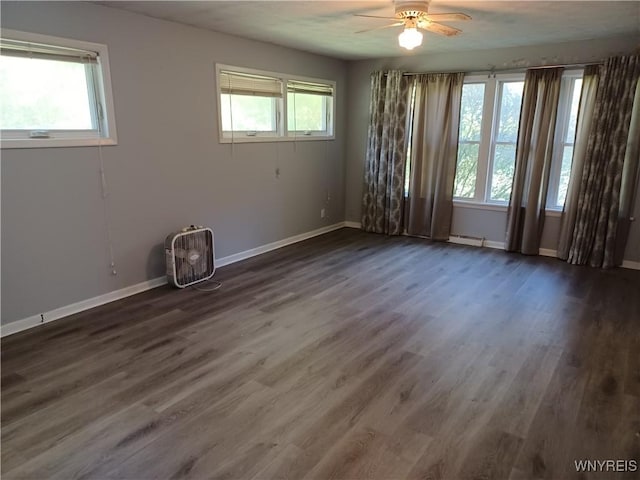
[[323, 213]]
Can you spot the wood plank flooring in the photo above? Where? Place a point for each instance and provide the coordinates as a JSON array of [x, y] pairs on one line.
[[346, 356]]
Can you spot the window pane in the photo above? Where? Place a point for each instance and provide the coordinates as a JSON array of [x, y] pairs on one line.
[[471, 111], [306, 112], [502, 174], [247, 113], [565, 171], [466, 170], [510, 102], [573, 115], [38, 94]]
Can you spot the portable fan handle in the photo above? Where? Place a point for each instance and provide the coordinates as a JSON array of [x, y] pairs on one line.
[[191, 227]]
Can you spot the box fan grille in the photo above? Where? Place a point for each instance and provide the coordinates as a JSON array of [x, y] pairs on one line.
[[190, 256]]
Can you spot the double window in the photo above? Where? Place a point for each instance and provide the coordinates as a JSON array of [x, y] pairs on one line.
[[264, 106], [489, 118], [489, 121], [54, 92]]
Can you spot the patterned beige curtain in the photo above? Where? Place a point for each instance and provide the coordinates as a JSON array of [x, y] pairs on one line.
[[534, 149], [382, 206], [594, 238], [434, 148], [585, 120]]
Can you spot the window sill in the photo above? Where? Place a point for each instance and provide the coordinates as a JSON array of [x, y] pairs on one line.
[[549, 212], [496, 207], [301, 138], [56, 142]]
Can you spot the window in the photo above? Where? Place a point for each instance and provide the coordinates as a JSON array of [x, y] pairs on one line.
[[309, 108], [489, 117], [249, 104], [504, 140], [469, 140], [489, 121], [566, 122], [54, 92], [254, 107]]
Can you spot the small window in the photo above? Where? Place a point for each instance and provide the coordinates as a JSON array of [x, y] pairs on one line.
[[54, 92], [253, 106], [249, 104], [309, 108]]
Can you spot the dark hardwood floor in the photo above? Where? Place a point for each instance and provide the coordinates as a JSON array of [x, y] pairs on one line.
[[346, 356]]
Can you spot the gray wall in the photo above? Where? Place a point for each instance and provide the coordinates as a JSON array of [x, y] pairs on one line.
[[168, 169], [473, 222]]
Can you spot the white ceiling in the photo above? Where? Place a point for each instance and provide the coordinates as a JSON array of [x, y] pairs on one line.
[[328, 27]]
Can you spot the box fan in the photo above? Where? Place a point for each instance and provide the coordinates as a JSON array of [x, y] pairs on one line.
[[190, 256]]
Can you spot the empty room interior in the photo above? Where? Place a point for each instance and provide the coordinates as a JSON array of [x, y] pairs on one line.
[[320, 240]]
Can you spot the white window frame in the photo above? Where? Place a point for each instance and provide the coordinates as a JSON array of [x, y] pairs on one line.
[[101, 101], [488, 133], [479, 142], [567, 88], [327, 112], [250, 135], [500, 80], [282, 134]]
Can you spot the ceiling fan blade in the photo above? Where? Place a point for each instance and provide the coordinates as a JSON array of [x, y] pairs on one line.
[[374, 16], [439, 29], [448, 17], [380, 28]]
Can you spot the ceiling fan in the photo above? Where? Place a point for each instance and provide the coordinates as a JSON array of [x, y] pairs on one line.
[[414, 15]]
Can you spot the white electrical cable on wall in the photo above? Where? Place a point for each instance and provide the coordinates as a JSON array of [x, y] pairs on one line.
[[103, 177]]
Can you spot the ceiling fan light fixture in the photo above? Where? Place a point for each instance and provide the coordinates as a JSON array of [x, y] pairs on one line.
[[410, 38]]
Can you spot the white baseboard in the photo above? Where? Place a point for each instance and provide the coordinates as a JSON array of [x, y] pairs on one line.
[[58, 313], [543, 252], [494, 244], [20, 325], [236, 257], [630, 265], [471, 241], [476, 242], [349, 224]]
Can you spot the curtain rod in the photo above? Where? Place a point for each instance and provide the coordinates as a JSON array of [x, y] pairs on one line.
[[507, 70]]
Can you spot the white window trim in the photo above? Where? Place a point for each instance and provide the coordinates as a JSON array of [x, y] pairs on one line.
[[282, 134], [497, 207], [488, 129], [499, 80], [71, 138], [487, 142], [560, 134], [327, 112]]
